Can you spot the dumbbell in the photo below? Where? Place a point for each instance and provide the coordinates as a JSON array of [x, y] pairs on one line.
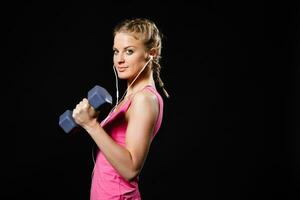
[[98, 98]]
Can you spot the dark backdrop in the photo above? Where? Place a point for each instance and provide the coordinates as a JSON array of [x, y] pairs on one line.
[[231, 126]]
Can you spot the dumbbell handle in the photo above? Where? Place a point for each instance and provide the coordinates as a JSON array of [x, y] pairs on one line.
[[97, 97]]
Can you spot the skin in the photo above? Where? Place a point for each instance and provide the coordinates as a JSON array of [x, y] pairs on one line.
[[130, 55]]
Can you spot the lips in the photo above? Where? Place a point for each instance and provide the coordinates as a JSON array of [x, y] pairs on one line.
[[121, 69]]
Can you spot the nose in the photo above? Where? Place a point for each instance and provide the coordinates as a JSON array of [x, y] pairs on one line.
[[120, 58]]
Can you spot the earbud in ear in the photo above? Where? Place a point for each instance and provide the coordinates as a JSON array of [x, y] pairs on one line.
[[151, 57]]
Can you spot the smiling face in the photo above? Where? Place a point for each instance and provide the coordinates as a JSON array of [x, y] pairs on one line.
[[129, 55], [135, 42]]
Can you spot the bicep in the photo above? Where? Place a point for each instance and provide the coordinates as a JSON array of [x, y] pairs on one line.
[[142, 117]]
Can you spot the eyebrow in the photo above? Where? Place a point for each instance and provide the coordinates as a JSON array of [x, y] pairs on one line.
[[125, 47]]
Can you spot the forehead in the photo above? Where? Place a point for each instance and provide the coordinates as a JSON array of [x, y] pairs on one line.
[[127, 39]]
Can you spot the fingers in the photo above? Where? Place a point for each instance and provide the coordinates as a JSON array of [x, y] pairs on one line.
[[84, 113], [82, 106]]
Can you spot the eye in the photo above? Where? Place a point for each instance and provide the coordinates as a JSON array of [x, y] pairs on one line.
[[129, 51], [115, 52]]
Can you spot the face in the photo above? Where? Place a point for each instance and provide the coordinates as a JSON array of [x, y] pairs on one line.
[[129, 55]]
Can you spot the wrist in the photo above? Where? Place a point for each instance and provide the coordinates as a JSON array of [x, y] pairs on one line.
[[92, 125]]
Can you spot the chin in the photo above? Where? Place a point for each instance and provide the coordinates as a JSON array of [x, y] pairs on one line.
[[123, 76]]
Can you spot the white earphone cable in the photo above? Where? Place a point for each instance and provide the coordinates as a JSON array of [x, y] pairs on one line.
[[117, 101], [117, 86]]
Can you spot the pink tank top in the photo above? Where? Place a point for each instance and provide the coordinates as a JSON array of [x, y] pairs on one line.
[[107, 183]]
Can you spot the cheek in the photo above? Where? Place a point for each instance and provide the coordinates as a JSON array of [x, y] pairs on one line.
[[135, 68], [114, 60]]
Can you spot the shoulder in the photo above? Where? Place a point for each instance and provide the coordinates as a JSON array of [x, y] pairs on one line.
[[145, 100], [145, 97]]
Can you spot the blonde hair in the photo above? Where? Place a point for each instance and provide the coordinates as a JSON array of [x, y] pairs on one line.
[[152, 39]]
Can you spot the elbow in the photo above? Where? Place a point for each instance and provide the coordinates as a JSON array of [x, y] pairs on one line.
[[131, 175]]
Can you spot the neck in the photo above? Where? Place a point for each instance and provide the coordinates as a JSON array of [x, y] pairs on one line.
[[139, 84]]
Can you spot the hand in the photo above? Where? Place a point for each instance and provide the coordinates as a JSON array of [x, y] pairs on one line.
[[84, 114]]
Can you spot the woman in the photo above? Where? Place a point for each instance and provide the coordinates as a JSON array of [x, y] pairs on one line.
[[125, 136]]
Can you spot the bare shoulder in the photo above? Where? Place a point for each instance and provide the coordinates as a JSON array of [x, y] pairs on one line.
[[145, 98], [144, 103]]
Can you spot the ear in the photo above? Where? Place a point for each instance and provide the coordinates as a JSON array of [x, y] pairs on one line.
[[153, 53]]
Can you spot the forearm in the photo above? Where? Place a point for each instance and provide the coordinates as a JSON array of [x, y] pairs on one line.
[[119, 157]]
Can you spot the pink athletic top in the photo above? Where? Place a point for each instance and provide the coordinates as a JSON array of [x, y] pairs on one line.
[[107, 183]]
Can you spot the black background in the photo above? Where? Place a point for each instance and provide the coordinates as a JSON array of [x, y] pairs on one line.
[[231, 126]]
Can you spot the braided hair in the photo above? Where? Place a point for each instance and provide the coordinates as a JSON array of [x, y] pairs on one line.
[[152, 39]]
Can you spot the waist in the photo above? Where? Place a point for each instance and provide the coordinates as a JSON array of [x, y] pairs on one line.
[[104, 167]]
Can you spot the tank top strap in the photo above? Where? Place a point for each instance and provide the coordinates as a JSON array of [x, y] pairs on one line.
[[128, 103]]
